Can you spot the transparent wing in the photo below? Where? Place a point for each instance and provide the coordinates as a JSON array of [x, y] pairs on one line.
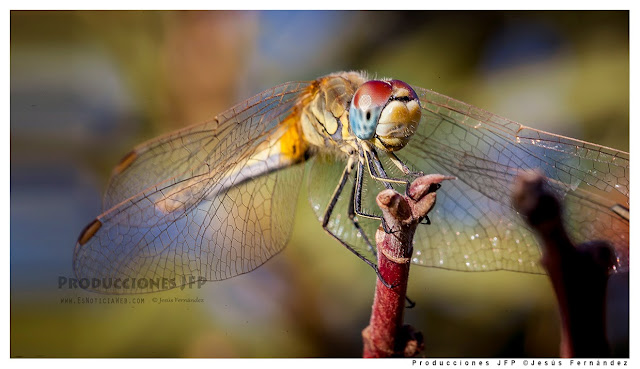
[[219, 143], [191, 216], [474, 226], [225, 234]]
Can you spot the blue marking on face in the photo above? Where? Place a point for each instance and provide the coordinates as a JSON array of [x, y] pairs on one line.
[[364, 123]]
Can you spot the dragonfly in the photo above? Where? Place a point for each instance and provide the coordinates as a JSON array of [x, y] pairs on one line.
[[216, 200]]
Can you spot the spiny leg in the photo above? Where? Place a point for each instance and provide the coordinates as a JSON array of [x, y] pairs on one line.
[[377, 173], [381, 175], [327, 215], [405, 169], [356, 197], [376, 170], [356, 193], [370, 155], [357, 201], [402, 166]]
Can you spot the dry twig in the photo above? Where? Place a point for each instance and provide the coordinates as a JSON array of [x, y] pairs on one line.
[[578, 274]]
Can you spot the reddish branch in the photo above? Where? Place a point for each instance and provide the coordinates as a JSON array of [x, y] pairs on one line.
[[578, 274], [386, 336]]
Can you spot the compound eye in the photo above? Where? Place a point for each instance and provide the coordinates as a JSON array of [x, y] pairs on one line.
[[372, 95], [403, 90], [366, 106]]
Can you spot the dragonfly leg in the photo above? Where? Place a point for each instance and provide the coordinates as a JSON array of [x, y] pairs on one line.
[[327, 215], [402, 166], [338, 190], [357, 189], [357, 200], [405, 169], [410, 302], [377, 172], [372, 265], [384, 178]]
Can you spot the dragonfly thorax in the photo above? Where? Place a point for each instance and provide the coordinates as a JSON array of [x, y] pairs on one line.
[[385, 112]]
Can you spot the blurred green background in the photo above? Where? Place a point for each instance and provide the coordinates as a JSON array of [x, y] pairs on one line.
[[87, 86]]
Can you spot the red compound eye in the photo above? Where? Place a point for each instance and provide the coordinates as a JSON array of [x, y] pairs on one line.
[[375, 93], [399, 85]]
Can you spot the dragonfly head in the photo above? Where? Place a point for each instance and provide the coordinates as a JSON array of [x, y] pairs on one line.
[[387, 112]]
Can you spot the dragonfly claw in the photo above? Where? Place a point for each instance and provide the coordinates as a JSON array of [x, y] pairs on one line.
[[385, 283], [386, 228], [410, 304]]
